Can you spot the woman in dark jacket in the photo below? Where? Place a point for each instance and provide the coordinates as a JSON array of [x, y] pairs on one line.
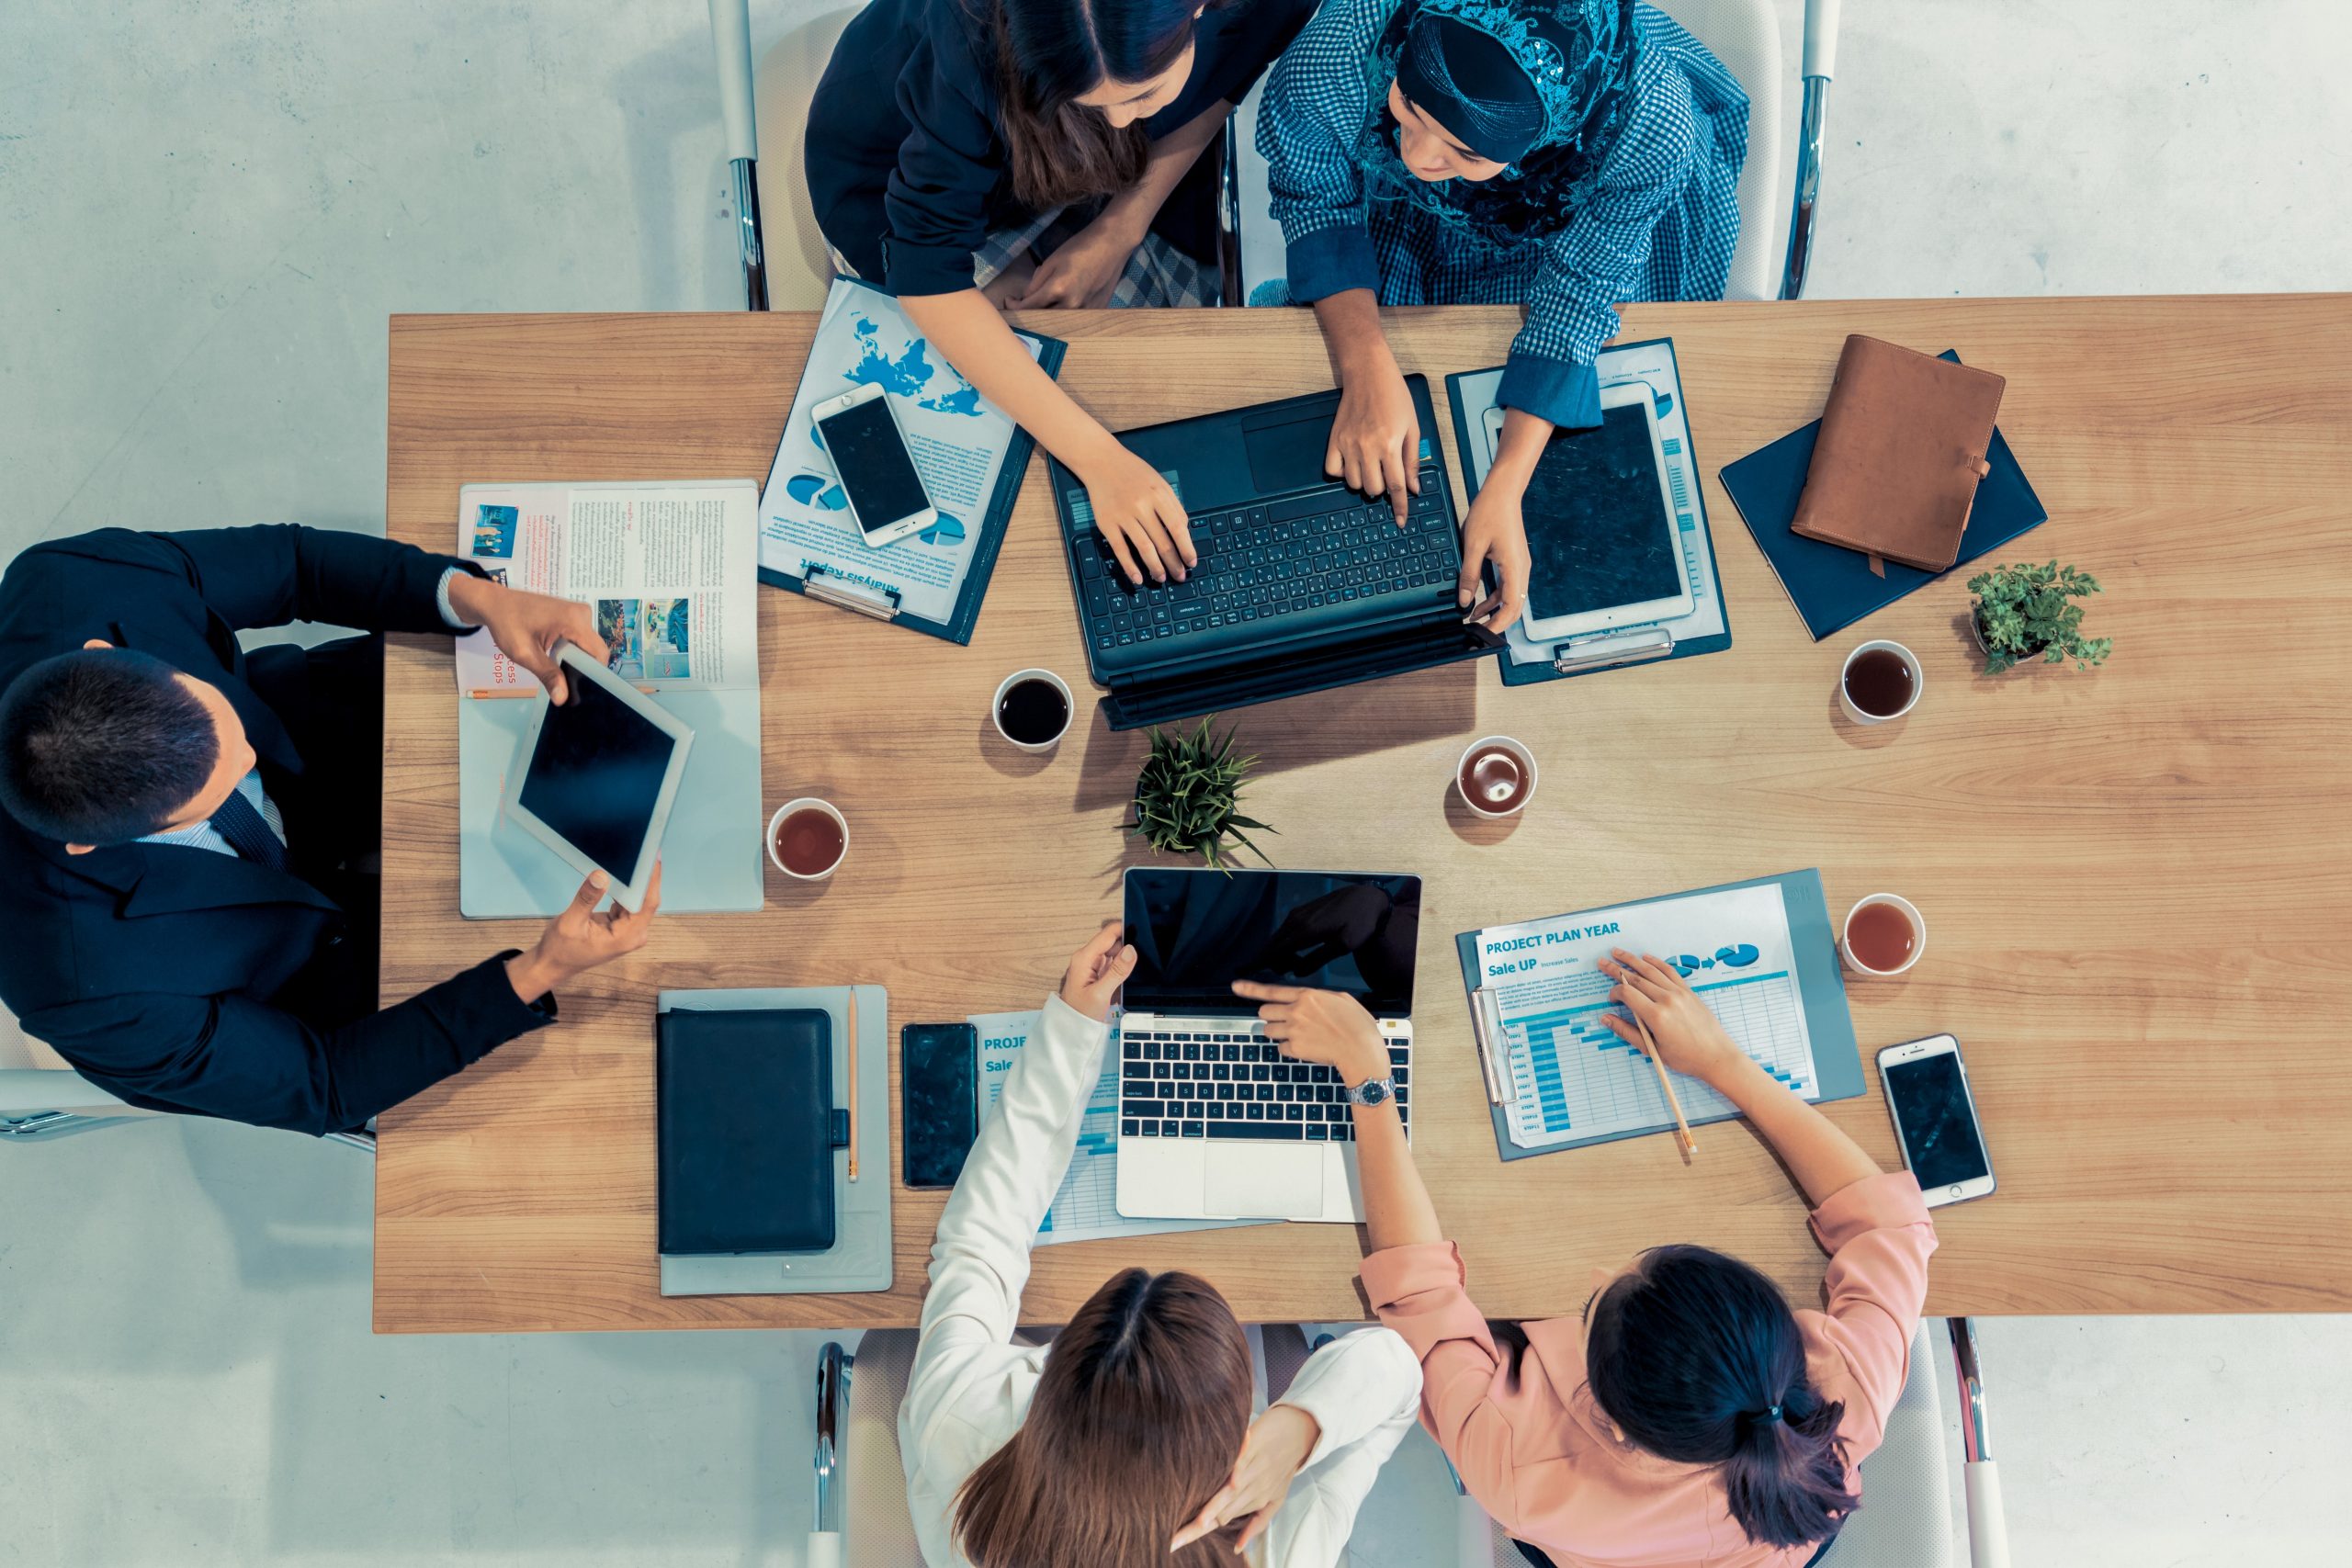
[[973, 156]]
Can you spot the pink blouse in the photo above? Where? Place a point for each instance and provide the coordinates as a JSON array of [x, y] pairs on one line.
[[1532, 1446]]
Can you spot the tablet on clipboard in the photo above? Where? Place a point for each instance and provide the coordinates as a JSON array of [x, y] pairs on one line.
[[594, 779], [1601, 527]]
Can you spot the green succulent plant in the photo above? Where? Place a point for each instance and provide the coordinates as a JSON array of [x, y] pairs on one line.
[[1188, 797], [2023, 611]]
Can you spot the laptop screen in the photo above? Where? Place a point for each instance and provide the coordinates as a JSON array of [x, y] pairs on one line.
[[1195, 932]]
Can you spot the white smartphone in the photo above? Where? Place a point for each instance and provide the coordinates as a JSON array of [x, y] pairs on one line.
[[861, 435], [1935, 1119]]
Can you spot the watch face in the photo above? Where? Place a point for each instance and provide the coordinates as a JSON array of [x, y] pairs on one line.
[[1374, 1093]]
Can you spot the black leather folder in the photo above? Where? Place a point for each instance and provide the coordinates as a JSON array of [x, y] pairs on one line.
[[746, 1129]]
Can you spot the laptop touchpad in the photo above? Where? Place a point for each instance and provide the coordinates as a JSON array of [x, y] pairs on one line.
[[1289, 456], [1252, 1182]]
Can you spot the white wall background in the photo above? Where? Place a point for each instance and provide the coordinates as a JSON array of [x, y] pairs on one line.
[[207, 210]]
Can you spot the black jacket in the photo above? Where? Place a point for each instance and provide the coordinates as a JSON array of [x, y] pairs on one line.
[[906, 164], [182, 979]]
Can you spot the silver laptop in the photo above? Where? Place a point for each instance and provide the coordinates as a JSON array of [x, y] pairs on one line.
[[1214, 1122]]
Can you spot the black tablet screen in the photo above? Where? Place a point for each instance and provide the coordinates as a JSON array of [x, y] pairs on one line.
[[595, 775], [1595, 523]]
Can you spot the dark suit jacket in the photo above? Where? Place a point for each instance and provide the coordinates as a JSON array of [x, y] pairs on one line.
[[183, 979]]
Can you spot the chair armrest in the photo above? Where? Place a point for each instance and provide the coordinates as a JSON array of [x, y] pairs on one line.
[[730, 36], [1989, 1531], [1821, 38], [834, 1367]]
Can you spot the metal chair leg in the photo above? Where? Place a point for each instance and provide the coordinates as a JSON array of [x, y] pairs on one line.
[[1808, 189], [55, 1125], [835, 1369], [1989, 1531]]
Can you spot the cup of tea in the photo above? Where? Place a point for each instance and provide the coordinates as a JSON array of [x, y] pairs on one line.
[[1882, 681], [1032, 709], [808, 839], [1884, 935], [1496, 776]]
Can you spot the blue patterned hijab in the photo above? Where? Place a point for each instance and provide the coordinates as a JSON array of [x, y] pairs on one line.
[[1541, 86]]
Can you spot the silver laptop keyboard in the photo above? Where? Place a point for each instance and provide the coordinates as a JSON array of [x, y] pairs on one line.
[[1189, 1084]]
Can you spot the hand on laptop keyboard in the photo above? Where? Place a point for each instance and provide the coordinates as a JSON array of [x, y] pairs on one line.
[[1141, 521], [1376, 437], [1326, 1027]]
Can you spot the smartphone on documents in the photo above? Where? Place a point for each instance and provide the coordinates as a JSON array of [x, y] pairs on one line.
[[1935, 1119], [861, 435], [939, 1088]]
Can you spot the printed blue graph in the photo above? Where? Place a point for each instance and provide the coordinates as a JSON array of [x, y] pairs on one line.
[[1575, 1078]]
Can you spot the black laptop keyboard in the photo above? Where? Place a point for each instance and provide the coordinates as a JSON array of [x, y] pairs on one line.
[[1178, 1084], [1329, 547]]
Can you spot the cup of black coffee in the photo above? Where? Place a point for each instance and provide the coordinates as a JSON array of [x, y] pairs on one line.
[[1496, 776], [1032, 709], [1880, 681]]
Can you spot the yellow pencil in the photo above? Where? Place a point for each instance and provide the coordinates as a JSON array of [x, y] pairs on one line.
[[1666, 1083], [851, 1051]]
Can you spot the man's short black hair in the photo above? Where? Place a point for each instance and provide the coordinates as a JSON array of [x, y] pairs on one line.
[[102, 746]]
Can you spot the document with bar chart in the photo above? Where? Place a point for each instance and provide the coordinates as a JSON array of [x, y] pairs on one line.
[[1570, 1078], [1086, 1207]]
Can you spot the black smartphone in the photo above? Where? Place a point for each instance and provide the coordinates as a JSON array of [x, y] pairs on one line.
[[939, 1067]]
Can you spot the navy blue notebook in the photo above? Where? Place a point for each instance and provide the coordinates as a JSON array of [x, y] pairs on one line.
[[1832, 586]]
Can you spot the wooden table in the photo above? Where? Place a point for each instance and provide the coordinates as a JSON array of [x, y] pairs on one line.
[[2135, 881]]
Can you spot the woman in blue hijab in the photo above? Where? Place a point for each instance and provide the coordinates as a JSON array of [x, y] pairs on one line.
[[1562, 154]]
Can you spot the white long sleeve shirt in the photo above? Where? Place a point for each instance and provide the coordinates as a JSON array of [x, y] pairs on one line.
[[970, 1386]]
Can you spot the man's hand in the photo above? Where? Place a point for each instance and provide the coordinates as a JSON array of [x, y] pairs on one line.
[[1330, 1027], [1085, 270], [1275, 1449], [1690, 1039], [580, 939], [1097, 971], [1375, 445], [528, 626], [1495, 532]]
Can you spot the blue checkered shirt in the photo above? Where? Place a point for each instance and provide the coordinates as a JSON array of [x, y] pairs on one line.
[[1661, 224]]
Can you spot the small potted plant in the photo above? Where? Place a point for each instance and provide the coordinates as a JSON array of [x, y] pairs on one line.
[[1189, 794], [2024, 611]]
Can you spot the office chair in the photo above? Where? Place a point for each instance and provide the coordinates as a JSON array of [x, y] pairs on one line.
[[1745, 36], [42, 1098]]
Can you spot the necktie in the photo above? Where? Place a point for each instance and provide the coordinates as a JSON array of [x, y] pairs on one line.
[[237, 821]]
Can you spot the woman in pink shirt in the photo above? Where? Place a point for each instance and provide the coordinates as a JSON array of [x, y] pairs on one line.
[[1687, 1415]]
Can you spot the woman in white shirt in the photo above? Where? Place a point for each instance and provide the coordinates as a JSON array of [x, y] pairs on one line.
[[1130, 1439]]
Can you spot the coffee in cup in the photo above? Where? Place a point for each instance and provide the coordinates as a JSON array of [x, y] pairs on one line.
[[1880, 681], [1496, 776], [808, 839], [1884, 935], [1032, 709]]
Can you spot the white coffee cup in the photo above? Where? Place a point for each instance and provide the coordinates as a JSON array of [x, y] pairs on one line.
[[807, 802], [1518, 754], [996, 707], [1910, 662], [1918, 934]]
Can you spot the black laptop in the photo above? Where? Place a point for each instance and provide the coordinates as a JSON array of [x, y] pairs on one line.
[[1303, 584]]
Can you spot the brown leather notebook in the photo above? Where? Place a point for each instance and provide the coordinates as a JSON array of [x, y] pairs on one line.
[[1902, 445]]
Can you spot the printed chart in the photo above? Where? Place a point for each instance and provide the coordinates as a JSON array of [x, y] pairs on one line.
[[1086, 1207], [1572, 1077]]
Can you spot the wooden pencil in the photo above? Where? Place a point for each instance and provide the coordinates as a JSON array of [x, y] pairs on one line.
[[1666, 1084]]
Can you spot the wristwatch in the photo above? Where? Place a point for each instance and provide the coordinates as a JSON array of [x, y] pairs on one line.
[[1373, 1091]]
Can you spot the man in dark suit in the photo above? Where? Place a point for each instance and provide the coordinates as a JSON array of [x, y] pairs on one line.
[[190, 833]]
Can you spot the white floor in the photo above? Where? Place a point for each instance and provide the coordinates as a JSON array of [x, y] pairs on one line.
[[206, 213]]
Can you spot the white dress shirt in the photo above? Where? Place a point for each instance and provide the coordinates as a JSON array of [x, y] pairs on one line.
[[970, 1386]]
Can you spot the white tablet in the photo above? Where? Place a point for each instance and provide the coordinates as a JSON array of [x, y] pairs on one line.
[[1600, 528], [595, 778]]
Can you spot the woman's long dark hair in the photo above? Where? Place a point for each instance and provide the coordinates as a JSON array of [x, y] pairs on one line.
[[1142, 1405], [1697, 1359], [1050, 52]]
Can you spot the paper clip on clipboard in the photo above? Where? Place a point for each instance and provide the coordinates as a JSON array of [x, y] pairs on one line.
[[849, 592], [1609, 650], [1493, 1043]]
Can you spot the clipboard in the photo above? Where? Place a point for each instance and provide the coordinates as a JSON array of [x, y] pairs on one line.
[[1836, 1056], [1629, 645], [873, 600]]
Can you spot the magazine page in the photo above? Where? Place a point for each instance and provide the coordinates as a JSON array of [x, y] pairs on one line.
[[957, 438], [670, 568]]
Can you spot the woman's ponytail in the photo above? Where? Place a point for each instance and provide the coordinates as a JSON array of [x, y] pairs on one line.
[[1697, 1359]]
